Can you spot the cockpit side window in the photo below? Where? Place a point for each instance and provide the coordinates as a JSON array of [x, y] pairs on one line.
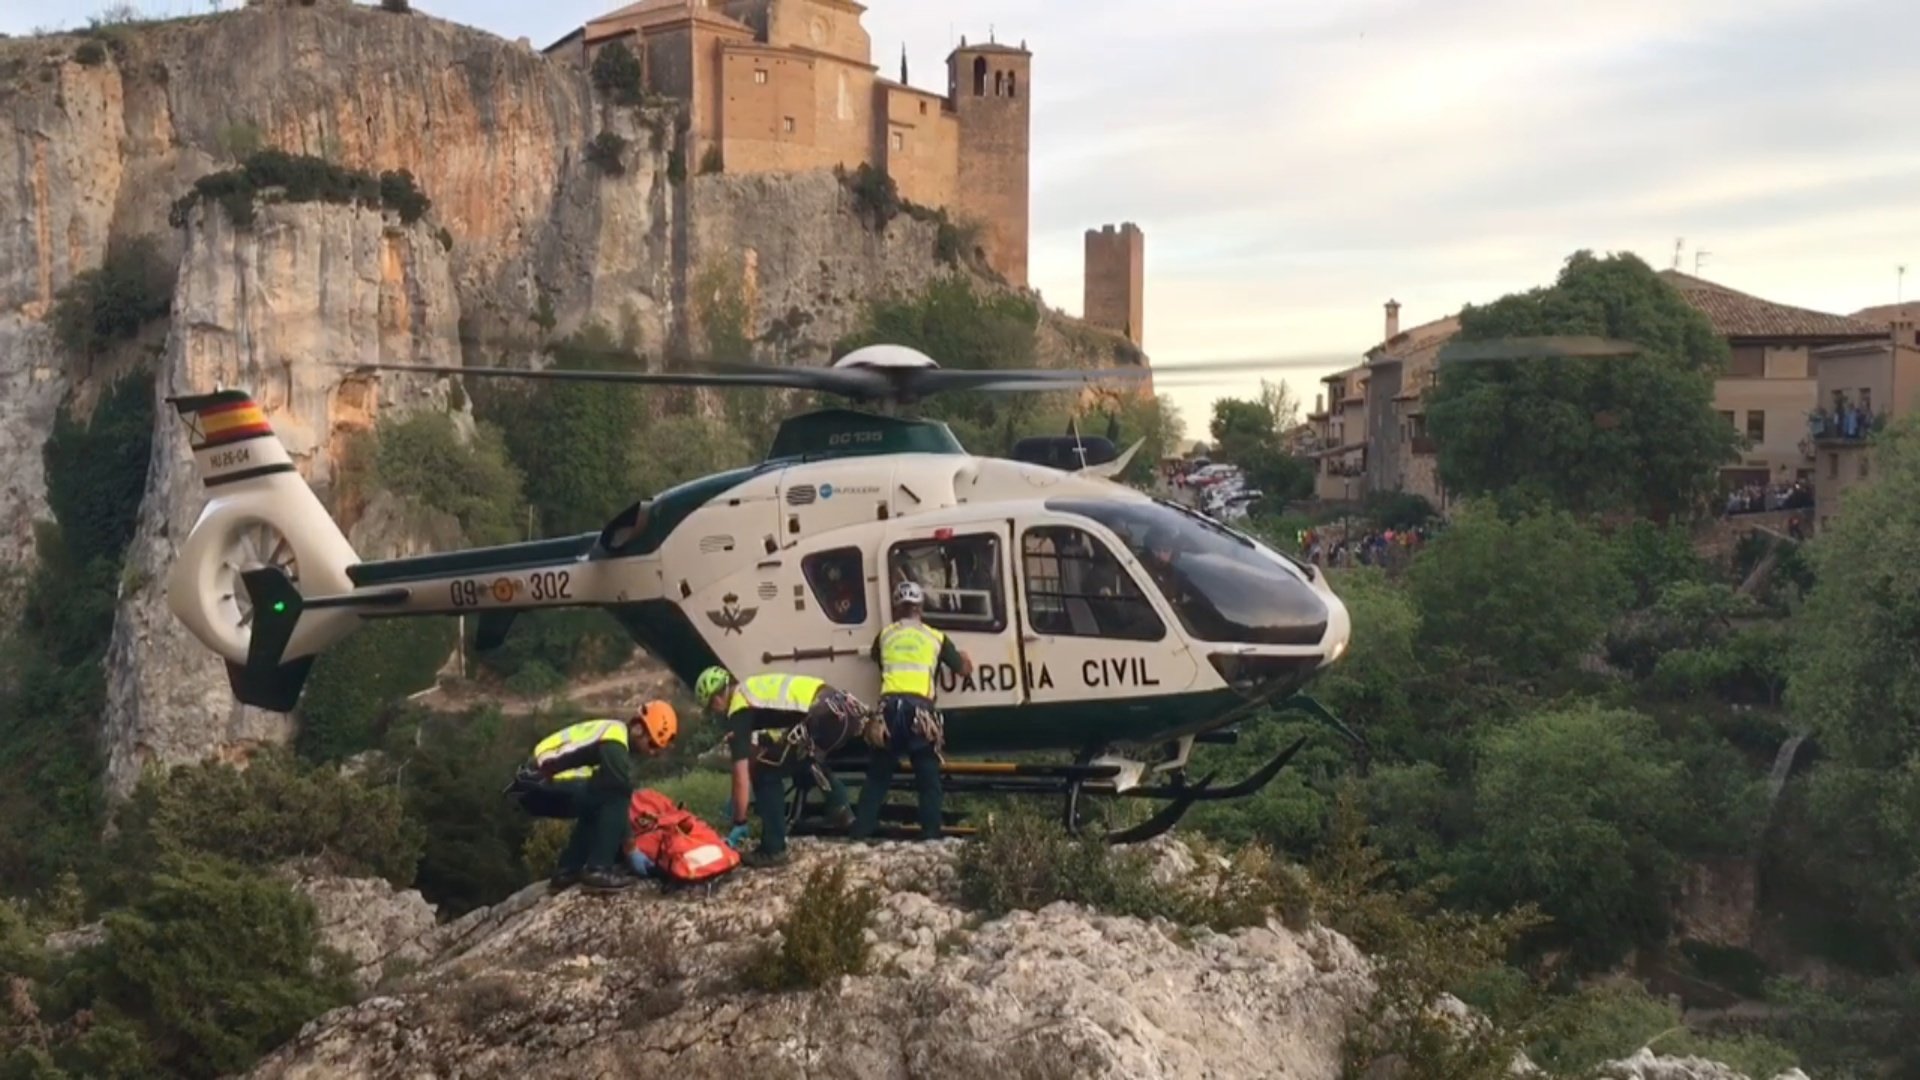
[[961, 576], [838, 585], [1076, 588]]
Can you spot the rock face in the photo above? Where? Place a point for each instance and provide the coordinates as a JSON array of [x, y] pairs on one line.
[[269, 309], [379, 928], [1647, 1065], [32, 383], [645, 984]]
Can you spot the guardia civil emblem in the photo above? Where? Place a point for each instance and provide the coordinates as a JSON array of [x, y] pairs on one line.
[[732, 618]]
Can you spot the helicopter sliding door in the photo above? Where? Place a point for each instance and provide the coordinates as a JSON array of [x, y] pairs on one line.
[[967, 573], [1090, 632]]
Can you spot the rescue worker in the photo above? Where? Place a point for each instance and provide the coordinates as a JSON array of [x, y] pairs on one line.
[[909, 653], [584, 771], [779, 726]]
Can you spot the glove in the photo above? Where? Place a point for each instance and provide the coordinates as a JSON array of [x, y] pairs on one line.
[[640, 863], [738, 836]]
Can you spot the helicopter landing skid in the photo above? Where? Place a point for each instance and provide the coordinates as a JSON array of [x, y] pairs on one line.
[[1106, 777]]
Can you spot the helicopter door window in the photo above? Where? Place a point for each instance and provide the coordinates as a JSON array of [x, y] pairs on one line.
[[1076, 588], [961, 577], [839, 584]]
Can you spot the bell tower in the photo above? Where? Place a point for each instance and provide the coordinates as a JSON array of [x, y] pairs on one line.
[[990, 91]]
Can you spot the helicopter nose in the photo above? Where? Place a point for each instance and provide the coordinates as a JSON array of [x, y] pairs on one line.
[[1339, 625]]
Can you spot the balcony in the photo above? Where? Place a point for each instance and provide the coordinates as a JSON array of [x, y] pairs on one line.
[[1844, 425]]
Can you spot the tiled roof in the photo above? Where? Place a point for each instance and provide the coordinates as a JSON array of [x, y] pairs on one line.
[[1418, 347], [1887, 314], [1736, 314]]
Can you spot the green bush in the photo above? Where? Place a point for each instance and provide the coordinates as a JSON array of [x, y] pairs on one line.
[[90, 53], [607, 152], [397, 7], [301, 178], [876, 198], [356, 684], [616, 72], [132, 287], [422, 457], [216, 963], [822, 937], [275, 810]]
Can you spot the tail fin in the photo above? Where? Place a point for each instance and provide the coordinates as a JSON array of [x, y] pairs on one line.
[[261, 546]]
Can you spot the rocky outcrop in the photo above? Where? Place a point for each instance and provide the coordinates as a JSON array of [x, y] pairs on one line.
[[32, 383], [381, 930], [1647, 1065], [645, 984], [271, 309]]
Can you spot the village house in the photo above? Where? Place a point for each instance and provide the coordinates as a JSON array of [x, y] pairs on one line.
[[1770, 387], [1370, 424], [1862, 386]]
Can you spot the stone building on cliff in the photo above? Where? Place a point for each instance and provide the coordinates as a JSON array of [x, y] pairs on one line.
[[790, 86]]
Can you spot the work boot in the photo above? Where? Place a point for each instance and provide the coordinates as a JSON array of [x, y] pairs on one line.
[[841, 818], [762, 859], [606, 879], [562, 880]]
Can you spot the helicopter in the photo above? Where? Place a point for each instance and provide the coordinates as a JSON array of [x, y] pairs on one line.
[[1108, 628]]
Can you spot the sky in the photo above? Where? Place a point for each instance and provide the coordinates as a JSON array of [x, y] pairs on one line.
[[1296, 165]]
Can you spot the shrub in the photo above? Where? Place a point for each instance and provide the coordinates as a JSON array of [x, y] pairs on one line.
[[822, 937], [423, 457], [91, 54], [606, 152], [542, 315], [301, 178], [712, 161], [398, 7], [616, 72], [273, 811], [132, 287], [357, 683], [676, 166], [876, 198], [218, 964]]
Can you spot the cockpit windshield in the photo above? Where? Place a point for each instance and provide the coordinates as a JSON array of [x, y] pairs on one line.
[[1221, 584]]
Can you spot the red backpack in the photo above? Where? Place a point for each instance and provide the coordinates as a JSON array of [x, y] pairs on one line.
[[686, 849]]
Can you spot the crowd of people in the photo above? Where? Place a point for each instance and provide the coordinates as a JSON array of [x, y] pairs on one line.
[[1333, 547], [1763, 498], [1845, 420]]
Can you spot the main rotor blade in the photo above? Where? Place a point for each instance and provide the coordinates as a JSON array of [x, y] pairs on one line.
[[1051, 380], [1536, 348]]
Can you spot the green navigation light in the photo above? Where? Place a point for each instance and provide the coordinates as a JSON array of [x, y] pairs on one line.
[[279, 606]]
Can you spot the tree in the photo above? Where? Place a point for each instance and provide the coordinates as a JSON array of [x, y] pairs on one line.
[[1854, 683], [1579, 810], [1588, 434], [1525, 595], [1248, 434]]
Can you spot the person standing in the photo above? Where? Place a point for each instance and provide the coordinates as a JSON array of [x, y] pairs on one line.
[[909, 653]]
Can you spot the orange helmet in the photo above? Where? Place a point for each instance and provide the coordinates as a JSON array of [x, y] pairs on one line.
[[658, 720]]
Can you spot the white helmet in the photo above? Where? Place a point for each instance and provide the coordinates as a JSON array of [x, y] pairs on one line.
[[909, 592]]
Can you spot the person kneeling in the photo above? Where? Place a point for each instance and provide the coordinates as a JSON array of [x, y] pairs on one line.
[[585, 772]]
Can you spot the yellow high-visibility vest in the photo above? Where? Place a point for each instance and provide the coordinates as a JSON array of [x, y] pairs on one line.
[[782, 693], [574, 743], [909, 652]]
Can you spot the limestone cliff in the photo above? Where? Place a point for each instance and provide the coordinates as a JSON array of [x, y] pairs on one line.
[[272, 308], [99, 136], [644, 984]]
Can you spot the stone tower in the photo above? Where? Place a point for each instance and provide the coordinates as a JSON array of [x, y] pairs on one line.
[[1116, 274], [990, 91]]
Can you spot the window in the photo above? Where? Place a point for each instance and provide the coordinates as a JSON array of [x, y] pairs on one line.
[[786, 122], [899, 140], [1011, 92], [979, 76], [1076, 588], [838, 585], [1222, 584], [923, 108], [961, 576], [760, 76], [1749, 362], [1727, 415], [1756, 425]]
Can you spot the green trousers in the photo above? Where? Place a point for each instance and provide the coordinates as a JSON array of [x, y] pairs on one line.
[[926, 784], [600, 825]]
